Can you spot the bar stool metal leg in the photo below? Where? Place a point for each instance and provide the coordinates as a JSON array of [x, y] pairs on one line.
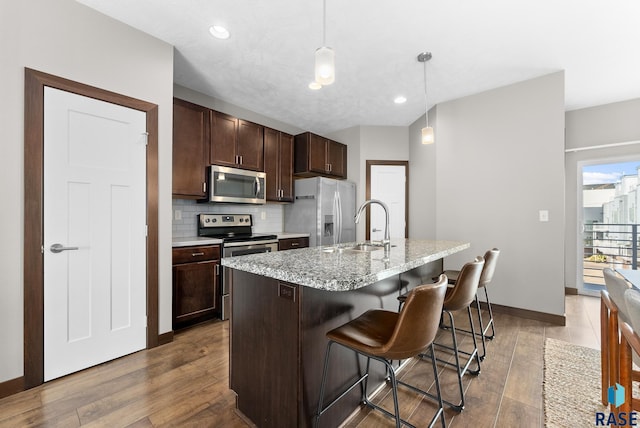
[[491, 323]]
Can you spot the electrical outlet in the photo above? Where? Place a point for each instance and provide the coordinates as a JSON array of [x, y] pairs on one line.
[[177, 215], [263, 215], [543, 215]]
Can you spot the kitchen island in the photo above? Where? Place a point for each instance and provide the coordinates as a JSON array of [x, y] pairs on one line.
[[282, 305]]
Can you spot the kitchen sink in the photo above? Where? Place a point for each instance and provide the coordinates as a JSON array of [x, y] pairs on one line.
[[359, 248]]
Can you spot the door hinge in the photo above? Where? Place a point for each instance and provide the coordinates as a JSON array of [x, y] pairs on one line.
[[146, 230], [145, 321], [146, 138]]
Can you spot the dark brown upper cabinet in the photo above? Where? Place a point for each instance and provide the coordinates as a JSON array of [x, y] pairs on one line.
[[278, 164], [236, 143], [190, 149], [316, 155]]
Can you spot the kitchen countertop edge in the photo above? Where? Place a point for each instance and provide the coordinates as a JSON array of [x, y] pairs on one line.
[[318, 273]]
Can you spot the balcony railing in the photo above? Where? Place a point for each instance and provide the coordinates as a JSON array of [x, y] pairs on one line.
[[608, 245]]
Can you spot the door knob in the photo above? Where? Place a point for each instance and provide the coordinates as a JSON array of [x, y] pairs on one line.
[[58, 248]]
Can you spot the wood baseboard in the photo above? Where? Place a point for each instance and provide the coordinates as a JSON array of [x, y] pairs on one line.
[[528, 314], [165, 338], [570, 291], [11, 387]]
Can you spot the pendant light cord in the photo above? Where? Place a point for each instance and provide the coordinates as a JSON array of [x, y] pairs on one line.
[[426, 104], [324, 23]]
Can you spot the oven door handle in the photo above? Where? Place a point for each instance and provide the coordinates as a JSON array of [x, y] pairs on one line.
[[251, 251]]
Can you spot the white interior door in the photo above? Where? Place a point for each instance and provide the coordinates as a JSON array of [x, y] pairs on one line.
[[95, 209], [388, 185]]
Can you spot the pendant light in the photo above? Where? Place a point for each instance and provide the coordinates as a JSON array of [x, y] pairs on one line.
[[325, 69], [427, 131]]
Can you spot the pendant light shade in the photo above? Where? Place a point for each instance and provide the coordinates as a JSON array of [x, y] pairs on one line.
[[427, 131], [325, 70], [427, 135]]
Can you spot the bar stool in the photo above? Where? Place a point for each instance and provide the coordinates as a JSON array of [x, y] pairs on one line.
[[612, 308], [384, 336], [457, 298], [490, 261]]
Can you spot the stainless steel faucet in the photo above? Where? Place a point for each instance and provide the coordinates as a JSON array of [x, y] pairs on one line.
[[387, 240]]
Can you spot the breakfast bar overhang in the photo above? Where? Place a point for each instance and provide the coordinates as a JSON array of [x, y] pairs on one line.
[[282, 305]]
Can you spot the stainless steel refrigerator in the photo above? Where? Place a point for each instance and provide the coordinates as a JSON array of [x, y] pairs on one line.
[[324, 208]]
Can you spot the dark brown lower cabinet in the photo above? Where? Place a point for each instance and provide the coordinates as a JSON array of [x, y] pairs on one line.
[[196, 295], [293, 243]]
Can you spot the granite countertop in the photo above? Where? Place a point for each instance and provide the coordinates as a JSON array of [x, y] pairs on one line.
[[194, 240], [344, 271]]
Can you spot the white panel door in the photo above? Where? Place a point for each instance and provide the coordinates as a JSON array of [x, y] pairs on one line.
[[388, 185], [95, 208]]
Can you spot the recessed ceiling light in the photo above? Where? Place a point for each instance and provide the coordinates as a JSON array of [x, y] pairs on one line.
[[400, 99], [314, 86], [219, 32]]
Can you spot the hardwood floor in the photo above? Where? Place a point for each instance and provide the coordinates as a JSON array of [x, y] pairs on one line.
[[185, 383]]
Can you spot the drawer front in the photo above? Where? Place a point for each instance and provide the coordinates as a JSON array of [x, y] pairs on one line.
[[196, 254], [292, 243]]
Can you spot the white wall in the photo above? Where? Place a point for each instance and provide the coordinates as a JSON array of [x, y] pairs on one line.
[[69, 40], [422, 179], [606, 124], [500, 159]]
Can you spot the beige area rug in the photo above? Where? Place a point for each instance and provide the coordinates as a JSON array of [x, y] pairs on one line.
[[571, 385]]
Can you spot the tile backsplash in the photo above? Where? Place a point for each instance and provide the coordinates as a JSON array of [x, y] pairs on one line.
[[189, 209]]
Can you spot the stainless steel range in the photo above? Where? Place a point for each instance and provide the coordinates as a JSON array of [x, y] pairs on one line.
[[235, 230]]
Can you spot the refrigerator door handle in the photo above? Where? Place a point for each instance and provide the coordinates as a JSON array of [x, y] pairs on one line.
[[336, 218], [339, 216]]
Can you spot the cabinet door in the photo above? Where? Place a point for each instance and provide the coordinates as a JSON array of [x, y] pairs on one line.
[[250, 146], [271, 163], [286, 167], [337, 159], [195, 292], [190, 149], [317, 153], [224, 136]]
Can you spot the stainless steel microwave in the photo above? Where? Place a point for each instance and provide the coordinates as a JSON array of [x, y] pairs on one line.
[[238, 186]]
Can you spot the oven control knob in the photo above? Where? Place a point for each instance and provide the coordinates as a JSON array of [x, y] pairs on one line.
[[206, 220], [241, 219], [215, 219]]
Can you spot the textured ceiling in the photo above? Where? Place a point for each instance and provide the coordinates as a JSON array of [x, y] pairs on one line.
[[267, 63]]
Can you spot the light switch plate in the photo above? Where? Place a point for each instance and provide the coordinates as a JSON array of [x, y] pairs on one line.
[[543, 215], [177, 215]]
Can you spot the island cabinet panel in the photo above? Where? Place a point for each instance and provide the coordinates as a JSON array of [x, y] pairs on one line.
[[316, 155], [190, 149], [278, 164], [278, 342], [264, 357]]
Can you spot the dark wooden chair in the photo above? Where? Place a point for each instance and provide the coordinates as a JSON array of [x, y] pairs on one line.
[[612, 308]]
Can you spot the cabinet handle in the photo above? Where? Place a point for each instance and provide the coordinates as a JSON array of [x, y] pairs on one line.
[[240, 160], [330, 167], [217, 269], [295, 244], [197, 254], [204, 187]]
